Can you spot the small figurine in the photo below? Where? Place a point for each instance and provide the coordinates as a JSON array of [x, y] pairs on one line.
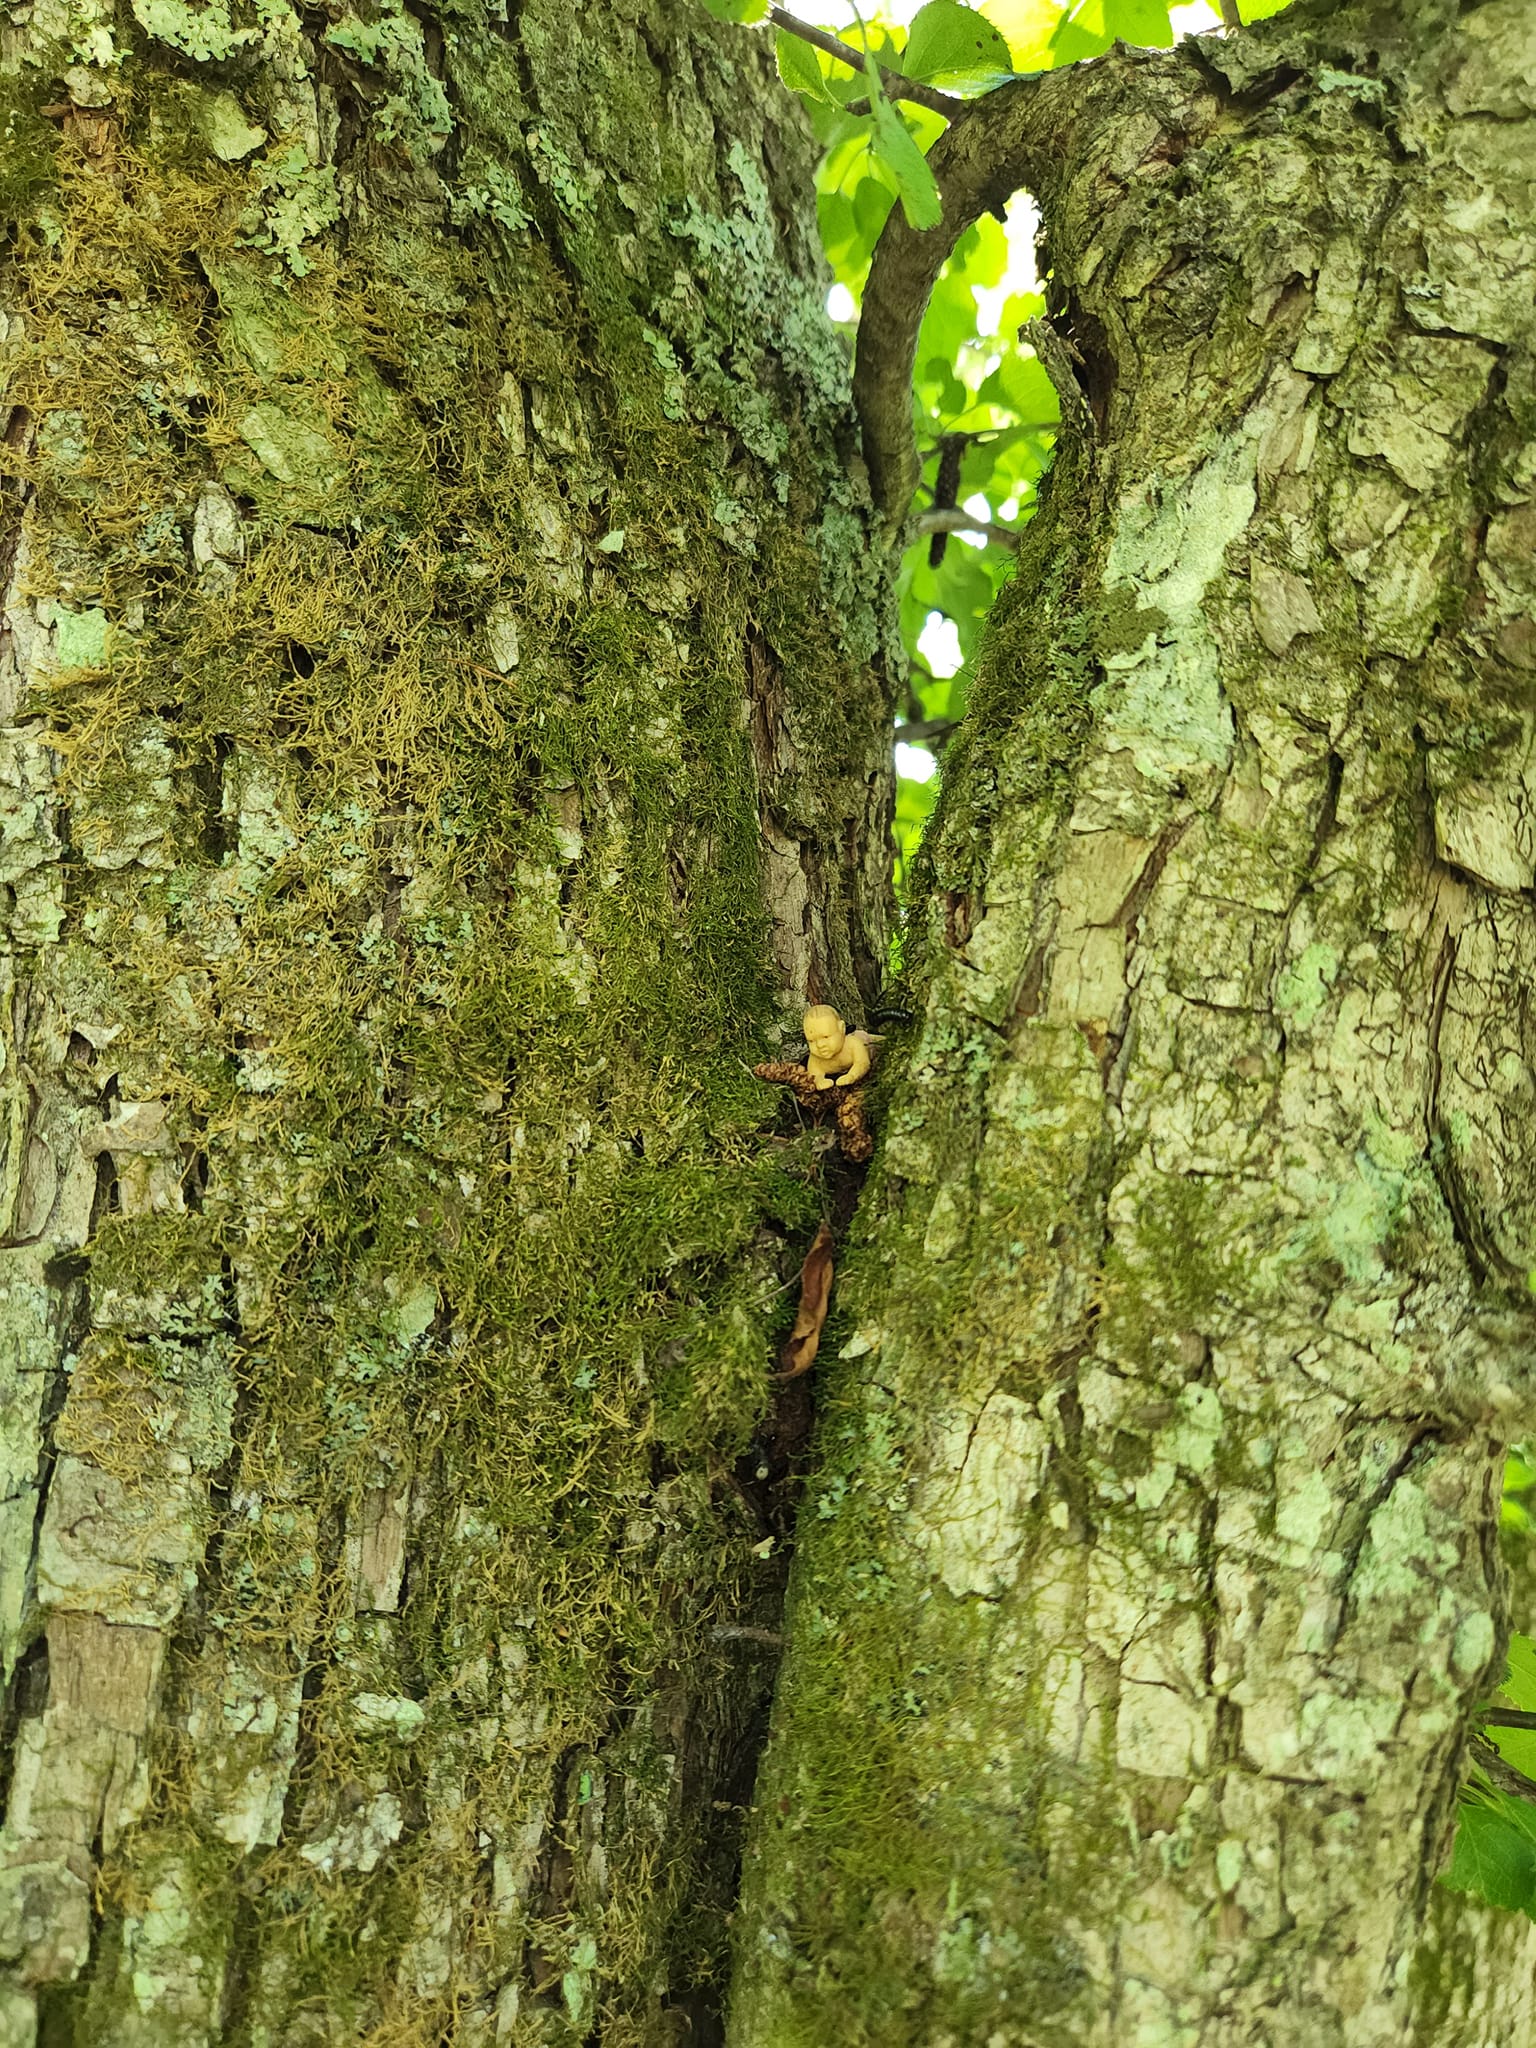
[[836, 1062], [838, 1058]]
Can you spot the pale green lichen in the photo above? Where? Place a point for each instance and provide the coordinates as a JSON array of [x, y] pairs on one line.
[[81, 639], [295, 201], [222, 120], [293, 450], [207, 32], [1168, 548], [1303, 987], [415, 113], [487, 191], [82, 27]]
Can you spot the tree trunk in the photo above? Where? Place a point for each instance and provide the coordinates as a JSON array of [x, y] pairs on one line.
[[1151, 1576], [443, 715]]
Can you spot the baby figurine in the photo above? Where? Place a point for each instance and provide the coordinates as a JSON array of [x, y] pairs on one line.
[[838, 1058]]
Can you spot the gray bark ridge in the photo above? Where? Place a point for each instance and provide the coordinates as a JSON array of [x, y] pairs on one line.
[[1152, 1574]]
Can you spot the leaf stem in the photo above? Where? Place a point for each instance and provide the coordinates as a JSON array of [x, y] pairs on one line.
[[925, 732], [1503, 1776], [897, 87], [955, 519]]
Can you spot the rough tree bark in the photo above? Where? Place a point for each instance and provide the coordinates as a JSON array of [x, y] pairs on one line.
[[443, 663], [1150, 1574], [443, 715]]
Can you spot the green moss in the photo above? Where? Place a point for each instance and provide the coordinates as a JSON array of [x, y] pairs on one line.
[[915, 1845], [1183, 1260], [28, 149]]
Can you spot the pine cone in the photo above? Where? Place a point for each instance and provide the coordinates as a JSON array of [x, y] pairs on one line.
[[854, 1138]]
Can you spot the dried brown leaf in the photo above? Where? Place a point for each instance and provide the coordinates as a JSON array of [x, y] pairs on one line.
[[799, 1353]]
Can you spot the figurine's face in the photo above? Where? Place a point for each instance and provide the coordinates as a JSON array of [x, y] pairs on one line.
[[826, 1040]]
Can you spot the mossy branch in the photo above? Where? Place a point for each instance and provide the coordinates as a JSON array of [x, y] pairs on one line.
[[994, 145], [955, 519]]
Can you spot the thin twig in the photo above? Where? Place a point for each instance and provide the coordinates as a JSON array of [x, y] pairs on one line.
[[955, 519], [896, 85], [1502, 1775], [925, 732], [980, 436], [1506, 1717], [1229, 14]]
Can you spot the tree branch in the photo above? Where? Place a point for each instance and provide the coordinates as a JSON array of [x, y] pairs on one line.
[[925, 732], [999, 142], [1502, 1775], [896, 85], [955, 519]]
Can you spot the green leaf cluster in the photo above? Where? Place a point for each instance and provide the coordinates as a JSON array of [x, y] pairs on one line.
[[1519, 1487], [853, 105], [1495, 1852], [1042, 36]]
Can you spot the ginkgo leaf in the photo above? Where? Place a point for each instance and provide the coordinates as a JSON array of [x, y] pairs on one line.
[[737, 10]]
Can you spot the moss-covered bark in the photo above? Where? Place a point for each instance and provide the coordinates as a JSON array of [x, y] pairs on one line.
[[443, 725], [1150, 1577]]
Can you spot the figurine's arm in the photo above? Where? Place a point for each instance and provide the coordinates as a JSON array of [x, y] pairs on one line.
[[857, 1046]]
